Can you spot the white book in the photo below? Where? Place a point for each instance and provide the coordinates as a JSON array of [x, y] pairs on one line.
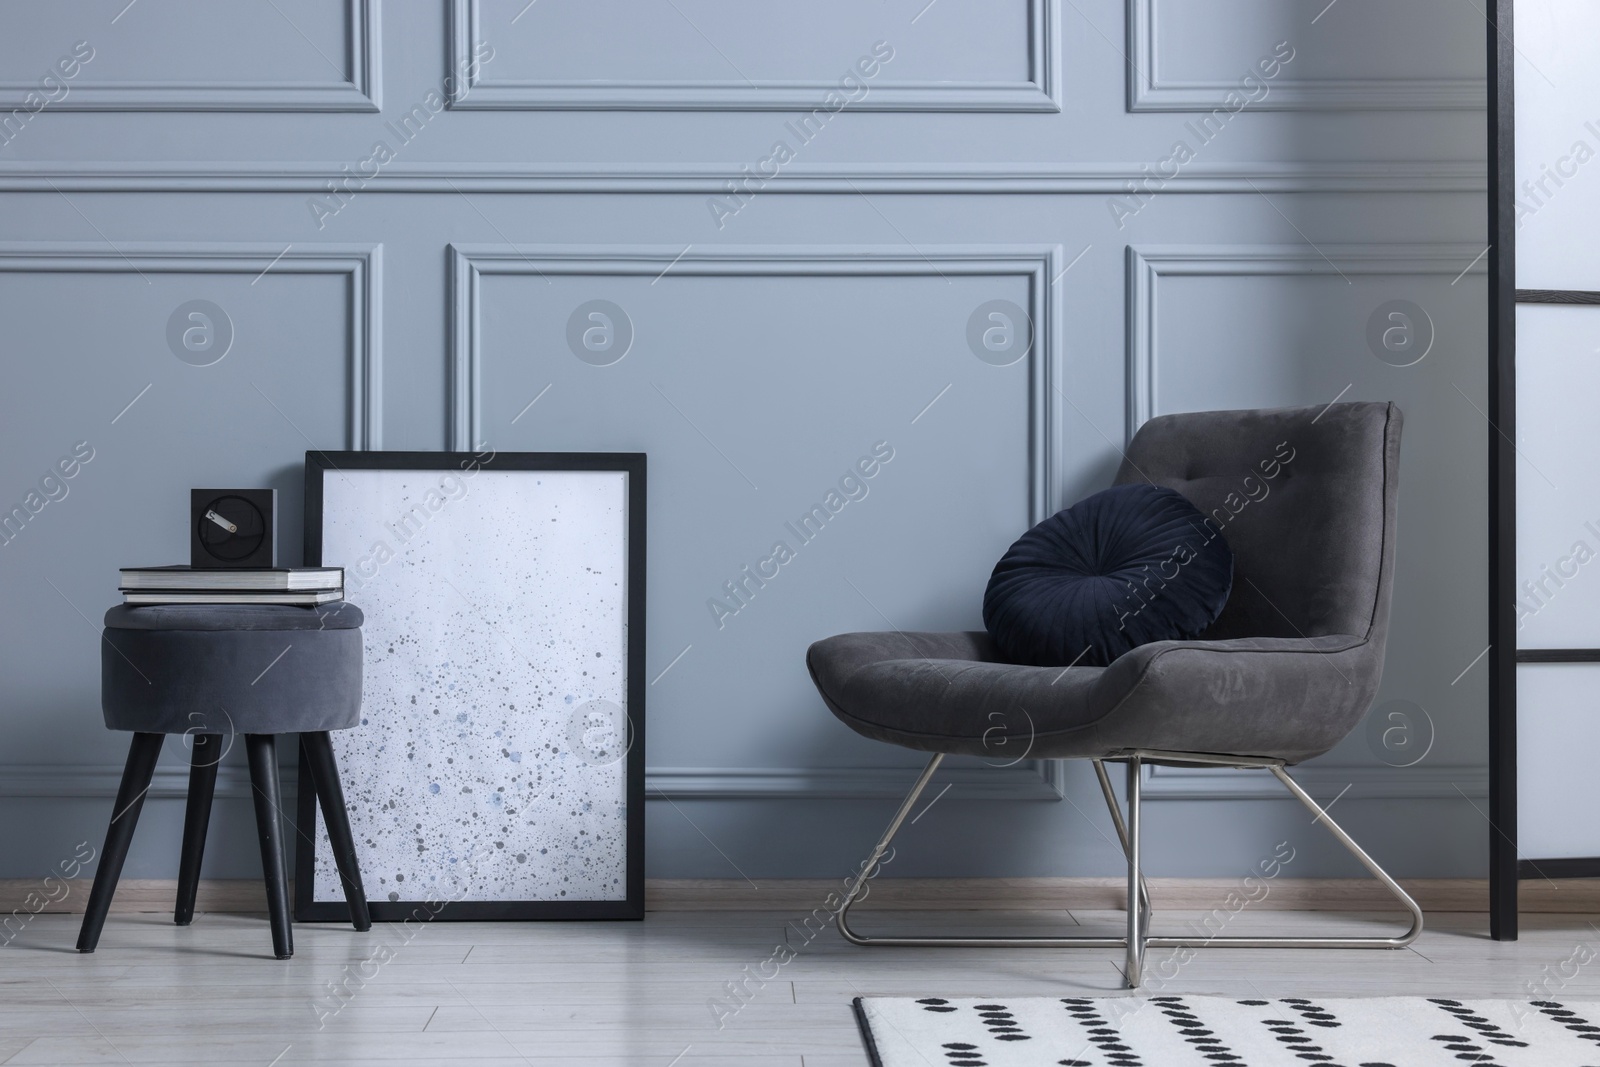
[[280, 579], [304, 599]]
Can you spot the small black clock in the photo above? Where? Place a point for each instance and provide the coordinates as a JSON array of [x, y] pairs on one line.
[[232, 528]]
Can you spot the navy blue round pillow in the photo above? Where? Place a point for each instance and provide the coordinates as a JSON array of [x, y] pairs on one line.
[[1132, 564]]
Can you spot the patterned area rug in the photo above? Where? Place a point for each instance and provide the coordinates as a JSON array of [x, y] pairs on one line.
[[1209, 1031]]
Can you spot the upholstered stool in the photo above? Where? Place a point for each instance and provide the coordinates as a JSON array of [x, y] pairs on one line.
[[216, 672]]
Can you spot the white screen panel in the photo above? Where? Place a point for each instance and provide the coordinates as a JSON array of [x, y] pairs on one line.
[[1558, 482], [1557, 143], [1558, 734]]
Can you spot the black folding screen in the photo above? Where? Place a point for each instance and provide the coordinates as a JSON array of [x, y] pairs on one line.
[[1544, 486]]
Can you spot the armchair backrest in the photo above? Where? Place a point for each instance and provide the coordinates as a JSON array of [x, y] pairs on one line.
[[1306, 499]]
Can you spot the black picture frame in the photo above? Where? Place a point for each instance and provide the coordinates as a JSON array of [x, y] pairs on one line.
[[320, 465]]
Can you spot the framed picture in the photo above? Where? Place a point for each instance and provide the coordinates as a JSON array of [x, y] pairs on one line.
[[498, 770]]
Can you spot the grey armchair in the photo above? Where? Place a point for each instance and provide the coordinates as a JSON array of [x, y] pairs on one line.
[[1306, 498]]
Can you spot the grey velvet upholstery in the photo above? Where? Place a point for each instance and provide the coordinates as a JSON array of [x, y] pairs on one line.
[[225, 669], [339, 615], [1306, 498]]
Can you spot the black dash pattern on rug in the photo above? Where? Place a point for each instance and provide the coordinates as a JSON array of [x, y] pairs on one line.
[[1569, 1018], [1467, 1050], [957, 1053], [1291, 1033], [962, 1054], [1194, 1032], [996, 1018], [1001, 1022], [1313, 1014], [1310, 1012], [1101, 1035], [1486, 1029]]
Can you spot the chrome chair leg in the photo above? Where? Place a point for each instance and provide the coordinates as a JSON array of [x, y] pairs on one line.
[[1277, 769], [1136, 922], [1122, 830], [1138, 939], [869, 868], [854, 894]]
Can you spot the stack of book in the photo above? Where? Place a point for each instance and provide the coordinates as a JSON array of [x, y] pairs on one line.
[[300, 586]]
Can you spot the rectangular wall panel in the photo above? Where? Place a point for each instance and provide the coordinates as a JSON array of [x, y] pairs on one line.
[[1231, 326], [191, 55], [1354, 54], [147, 373], [762, 384], [710, 55]]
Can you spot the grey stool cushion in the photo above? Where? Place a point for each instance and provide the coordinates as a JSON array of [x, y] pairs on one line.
[[1306, 498], [231, 669]]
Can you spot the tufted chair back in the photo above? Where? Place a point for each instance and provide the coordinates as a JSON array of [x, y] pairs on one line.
[[1306, 499]]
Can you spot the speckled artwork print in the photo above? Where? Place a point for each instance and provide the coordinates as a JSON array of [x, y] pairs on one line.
[[488, 763]]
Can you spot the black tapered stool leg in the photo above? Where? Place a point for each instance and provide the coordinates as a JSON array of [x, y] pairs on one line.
[[136, 775], [262, 750], [197, 817], [325, 776]]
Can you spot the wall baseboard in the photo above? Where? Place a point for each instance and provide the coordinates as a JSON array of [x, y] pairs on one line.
[[1110, 178], [22, 896], [1101, 894], [1562, 895]]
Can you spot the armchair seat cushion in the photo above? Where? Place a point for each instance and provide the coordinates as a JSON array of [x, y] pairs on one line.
[[1273, 698]]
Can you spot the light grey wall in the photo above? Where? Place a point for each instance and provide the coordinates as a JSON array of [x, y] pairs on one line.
[[1017, 151]]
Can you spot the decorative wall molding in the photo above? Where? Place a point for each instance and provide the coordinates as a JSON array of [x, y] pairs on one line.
[[95, 781], [1323, 781], [1148, 264], [1570, 896], [1148, 91], [363, 264], [1040, 92], [360, 92], [977, 178], [1028, 780], [1039, 264], [800, 895]]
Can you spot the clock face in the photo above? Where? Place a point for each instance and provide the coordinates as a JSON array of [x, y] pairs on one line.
[[231, 528]]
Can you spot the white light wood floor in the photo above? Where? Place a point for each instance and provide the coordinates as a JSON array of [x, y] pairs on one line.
[[492, 994]]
